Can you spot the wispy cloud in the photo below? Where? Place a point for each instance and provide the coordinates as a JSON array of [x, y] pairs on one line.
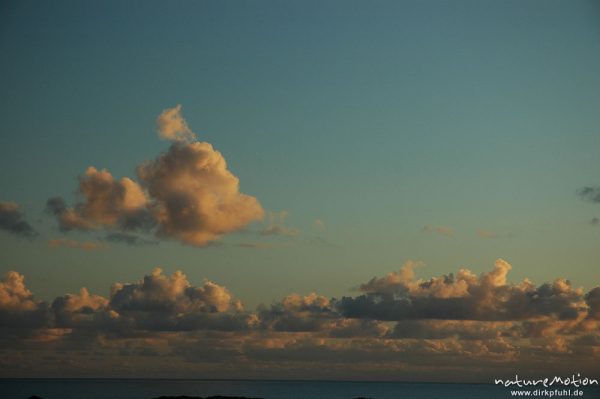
[[590, 193], [442, 230], [73, 244], [320, 225], [276, 225], [486, 234]]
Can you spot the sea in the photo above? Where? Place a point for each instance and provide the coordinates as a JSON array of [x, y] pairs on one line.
[[149, 389]]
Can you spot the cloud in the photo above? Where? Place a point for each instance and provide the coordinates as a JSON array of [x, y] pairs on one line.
[[170, 303], [196, 199], [107, 203], [80, 310], [589, 193], [486, 234], [186, 193], [276, 225], [256, 245], [320, 225], [466, 296], [18, 308], [11, 220], [442, 230], [129, 239], [480, 325], [172, 126], [297, 313], [85, 245]]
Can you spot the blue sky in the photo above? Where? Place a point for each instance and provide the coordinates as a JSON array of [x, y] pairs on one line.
[[378, 118]]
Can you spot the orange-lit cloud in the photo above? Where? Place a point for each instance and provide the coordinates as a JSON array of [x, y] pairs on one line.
[[434, 326], [186, 193], [173, 127]]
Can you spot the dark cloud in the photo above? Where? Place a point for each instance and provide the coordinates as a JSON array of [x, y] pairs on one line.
[[589, 193], [11, 220]]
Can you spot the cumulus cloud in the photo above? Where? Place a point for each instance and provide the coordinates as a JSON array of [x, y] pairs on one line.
[[397, 322], [11, 220], [196, 199], [160, 302], [173, 127], [466, 296], [276, 225], [589, 193], [186, 193], [297, 313], [442, 230], [18, 308], [107, 203]]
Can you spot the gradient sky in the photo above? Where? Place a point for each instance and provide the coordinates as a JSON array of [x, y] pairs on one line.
[[386, 120]]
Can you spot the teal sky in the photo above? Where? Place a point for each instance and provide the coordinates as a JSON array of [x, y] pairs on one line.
[[378, 118]]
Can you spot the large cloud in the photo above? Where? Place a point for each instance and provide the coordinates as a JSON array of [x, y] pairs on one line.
[[399, 323], [11, 220], [196, 198], [466, 296], [186, 193]]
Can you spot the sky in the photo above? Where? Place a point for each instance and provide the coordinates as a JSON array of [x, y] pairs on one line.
[[344, 139]]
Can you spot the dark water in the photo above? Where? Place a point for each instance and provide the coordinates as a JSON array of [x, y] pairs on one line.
[[147, 389]]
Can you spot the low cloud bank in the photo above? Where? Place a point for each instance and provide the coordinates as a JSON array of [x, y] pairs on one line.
[[457, 321]]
